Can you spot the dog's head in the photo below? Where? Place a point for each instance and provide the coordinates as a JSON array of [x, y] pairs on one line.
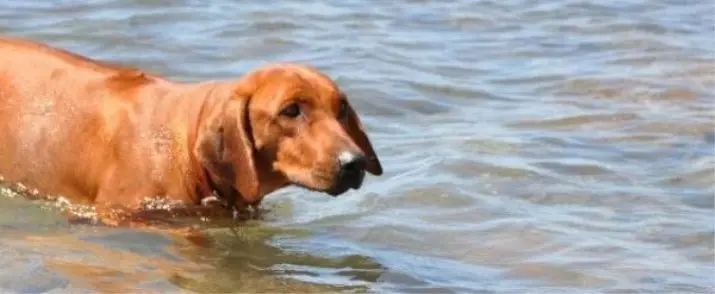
[[286, 124]]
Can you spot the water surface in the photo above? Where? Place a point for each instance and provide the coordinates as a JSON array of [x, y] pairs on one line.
[[527, 145]]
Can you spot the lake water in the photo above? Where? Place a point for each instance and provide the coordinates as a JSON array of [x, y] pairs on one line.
[[544, 146]]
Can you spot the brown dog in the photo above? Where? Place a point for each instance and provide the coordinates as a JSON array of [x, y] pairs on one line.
[[103, 134]]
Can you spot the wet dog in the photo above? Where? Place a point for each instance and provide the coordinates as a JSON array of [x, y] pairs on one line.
[[110, 136]]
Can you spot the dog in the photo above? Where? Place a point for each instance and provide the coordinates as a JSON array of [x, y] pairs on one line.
[[109, 135]]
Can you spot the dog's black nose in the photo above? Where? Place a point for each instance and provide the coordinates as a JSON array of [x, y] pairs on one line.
[[351, 163], [352, 171]]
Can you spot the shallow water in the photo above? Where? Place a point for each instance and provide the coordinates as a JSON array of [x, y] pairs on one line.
[[528, 145]]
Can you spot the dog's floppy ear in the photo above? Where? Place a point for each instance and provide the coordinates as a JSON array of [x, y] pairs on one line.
[[357, 133], [226, 149]]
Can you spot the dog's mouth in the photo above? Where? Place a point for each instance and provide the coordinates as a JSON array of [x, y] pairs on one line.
[[347, 182], [337, 191], [339, 187], [334, 191]]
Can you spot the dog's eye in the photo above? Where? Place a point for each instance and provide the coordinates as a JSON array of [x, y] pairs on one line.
[[292, 110], [343, 110]]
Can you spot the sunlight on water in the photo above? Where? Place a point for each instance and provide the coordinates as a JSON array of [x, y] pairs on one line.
[[548, 146]]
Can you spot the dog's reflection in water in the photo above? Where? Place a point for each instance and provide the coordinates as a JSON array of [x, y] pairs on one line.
[[217, 260]]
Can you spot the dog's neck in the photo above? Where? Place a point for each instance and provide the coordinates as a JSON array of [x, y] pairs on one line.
[[212, 96], [199, 101], [199, 108], [271, 180]]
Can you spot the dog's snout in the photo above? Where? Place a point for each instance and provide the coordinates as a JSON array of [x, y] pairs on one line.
[[351, 172], [351, 162]]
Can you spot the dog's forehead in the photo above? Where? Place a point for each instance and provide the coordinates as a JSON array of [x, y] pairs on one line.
[[306, 81]]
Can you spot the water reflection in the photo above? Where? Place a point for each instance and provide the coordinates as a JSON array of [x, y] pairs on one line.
[[529, 146], [247, 258]]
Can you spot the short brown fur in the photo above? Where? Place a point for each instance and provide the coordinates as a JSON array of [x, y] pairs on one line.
[[108, 135]]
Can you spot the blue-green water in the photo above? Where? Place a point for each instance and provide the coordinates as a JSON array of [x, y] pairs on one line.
[[528, 145]]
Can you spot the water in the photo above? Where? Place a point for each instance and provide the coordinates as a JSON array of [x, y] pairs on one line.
[[528, 145]]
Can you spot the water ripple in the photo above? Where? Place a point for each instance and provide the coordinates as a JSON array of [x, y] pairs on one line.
[[550, 146]]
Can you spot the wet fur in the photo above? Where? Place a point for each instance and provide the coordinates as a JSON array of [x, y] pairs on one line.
[[109, 135]]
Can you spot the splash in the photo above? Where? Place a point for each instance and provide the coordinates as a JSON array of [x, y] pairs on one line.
[[156, 210], [55, 203]]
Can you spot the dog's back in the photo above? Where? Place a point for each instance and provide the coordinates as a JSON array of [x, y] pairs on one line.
[[53, 109]]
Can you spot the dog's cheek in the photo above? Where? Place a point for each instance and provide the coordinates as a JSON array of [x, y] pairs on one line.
[[293, 160]]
